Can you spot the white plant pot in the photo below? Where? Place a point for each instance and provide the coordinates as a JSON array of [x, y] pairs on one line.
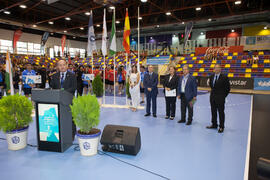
[[88, 144], [17, 139]]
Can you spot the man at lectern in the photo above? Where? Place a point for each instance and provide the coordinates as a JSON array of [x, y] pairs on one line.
[[65, 80]]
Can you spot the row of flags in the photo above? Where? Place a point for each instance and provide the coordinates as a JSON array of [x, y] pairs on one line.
[[91, 45]]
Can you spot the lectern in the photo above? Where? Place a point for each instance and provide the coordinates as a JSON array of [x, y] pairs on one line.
[[53, 119]]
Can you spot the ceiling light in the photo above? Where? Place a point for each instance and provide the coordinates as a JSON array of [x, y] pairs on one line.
[[51, 33], [201, 33], [98, 25], [112, 7], [50, 22], [7, 12], [81, 28], [140, 18], [157, 26], [151, 37], [34, 25], [209, 19], [143, 1], [237, 2], [65, 31], [232, 30], [198, 8], [74, 37], [87, 13], [23, 6], [117, 22], [265, 27], [67, 18], [183, 22], [168, 13]]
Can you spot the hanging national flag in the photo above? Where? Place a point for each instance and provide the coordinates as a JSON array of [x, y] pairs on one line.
[[113, 37], [188, 30], [104, 36], [126, 42], [91, 45], [8, 76], [16, 36], [63, 43]]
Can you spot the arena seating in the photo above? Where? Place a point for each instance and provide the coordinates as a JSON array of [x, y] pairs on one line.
[[233, 64]]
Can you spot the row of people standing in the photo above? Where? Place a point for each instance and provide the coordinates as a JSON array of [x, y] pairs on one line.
[[185, 89]]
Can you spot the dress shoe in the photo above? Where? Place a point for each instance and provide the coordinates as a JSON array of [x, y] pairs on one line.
[[171, 118], [181, 121], [154, 115], [189, 123], [166, 117], [147, 114], [211, 127], [220, 130]]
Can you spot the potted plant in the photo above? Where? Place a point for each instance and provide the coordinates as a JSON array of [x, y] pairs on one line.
[[128, 93], [15, 117], [86, 111], [98, 88]]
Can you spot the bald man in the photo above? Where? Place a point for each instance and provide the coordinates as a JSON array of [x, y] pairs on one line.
[[64, 79]]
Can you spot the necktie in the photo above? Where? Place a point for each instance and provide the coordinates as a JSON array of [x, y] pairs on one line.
[[62, 79], [215, 80]]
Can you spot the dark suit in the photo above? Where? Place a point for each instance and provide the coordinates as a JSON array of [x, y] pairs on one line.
[[186, 96], [151, 81], [69, 84], [219, 91], [170, 101]]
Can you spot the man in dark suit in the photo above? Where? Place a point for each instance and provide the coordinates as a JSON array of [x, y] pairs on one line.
[[187, 92], [220, 88], [150, 83], [170, 85], [65, 80]]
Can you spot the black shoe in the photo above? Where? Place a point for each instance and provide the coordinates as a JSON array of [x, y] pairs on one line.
[[166, 117], [147, 114], [189, 123], [171, 118], [141, 102], [154, 115], [211, 127], [181, 121], [220, 130]]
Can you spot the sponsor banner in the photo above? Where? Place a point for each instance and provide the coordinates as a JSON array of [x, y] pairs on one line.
[[221, 49], [262, 84], [16, 36], [236, 83], [158, 60], [63, 43]]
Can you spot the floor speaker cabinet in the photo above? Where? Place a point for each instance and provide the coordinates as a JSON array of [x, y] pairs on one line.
[[121, 139]]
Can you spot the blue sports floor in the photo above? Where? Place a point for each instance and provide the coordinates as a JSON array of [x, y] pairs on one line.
[[174, 151]]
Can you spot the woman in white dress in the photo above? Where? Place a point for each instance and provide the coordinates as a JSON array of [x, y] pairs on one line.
[[134, 88]]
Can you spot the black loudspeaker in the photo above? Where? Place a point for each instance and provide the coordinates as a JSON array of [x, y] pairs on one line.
[[121, 139]]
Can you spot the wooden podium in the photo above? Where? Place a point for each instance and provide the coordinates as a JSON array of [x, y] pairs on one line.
[[53, 119]]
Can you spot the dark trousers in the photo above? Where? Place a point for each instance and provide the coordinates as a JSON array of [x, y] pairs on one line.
[[170, 106], [151, 97], [217, 105], [80, 89], [184, 106]]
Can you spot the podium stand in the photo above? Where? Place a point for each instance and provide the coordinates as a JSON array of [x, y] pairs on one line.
[[53, 119]]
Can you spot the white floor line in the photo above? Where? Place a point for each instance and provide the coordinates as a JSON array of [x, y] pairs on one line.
[[248, 143], [119, 106]]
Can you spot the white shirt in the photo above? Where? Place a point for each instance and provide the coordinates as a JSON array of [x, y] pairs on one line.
[[184, 82], [65, 74], [170, 78]]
